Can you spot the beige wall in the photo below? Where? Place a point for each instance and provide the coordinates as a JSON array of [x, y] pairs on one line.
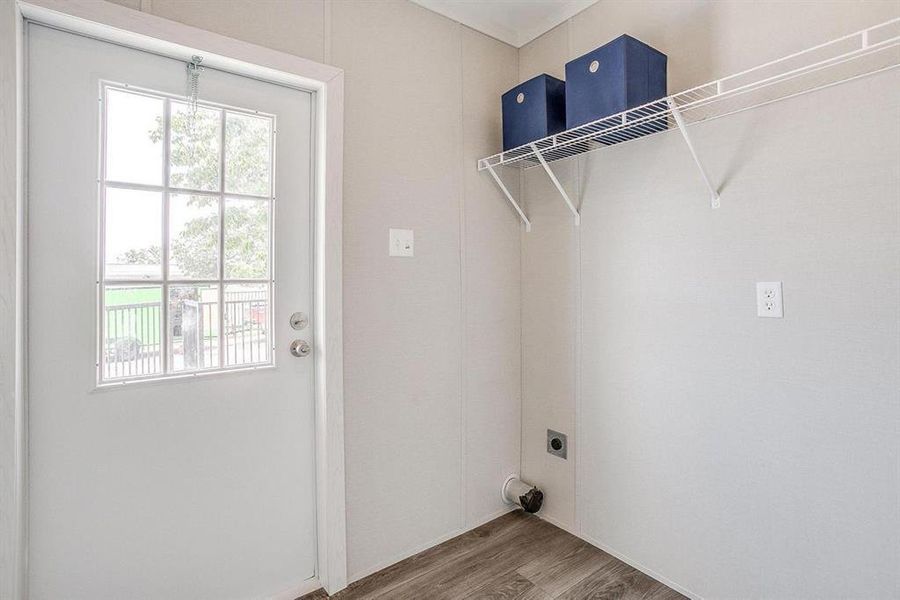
[[432, 345], [12, 378], [731, 456]]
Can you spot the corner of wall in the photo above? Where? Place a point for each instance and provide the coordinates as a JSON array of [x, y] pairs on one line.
[[463, 321]]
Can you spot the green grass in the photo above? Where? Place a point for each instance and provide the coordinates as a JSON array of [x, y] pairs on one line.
[[132, 295], [122, 323]]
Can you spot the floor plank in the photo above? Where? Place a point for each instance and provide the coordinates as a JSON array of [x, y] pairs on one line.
[[610, 582], [511, 586], [515, 557], [556, 572], [618, 581], [457, 579]]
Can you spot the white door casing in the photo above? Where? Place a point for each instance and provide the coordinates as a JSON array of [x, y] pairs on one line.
[[201, 487]]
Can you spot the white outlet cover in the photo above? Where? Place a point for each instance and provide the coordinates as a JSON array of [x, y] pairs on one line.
[[769, 299], [401, 242]]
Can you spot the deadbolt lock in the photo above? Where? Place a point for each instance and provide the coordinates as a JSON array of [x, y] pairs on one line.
[[299, 320]]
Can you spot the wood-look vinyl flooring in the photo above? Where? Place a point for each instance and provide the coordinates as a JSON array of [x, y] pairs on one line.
[[514, 557]]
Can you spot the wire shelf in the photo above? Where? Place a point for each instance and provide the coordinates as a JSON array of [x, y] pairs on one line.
[[865, 52]]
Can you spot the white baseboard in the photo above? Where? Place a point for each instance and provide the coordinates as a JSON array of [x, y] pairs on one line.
[[422, 547], [625, 559], [564, 526], [488, 518], [292, 593]]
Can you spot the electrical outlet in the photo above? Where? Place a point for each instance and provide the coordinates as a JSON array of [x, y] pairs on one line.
[[400, 242], [769, 299], [557, 444]]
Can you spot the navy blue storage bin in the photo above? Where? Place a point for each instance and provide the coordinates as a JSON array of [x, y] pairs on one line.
[[617, 76], [533, 110]]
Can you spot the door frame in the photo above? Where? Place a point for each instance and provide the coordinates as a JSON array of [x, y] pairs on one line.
[[109, 22]]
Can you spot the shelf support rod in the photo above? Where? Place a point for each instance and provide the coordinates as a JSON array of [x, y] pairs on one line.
[[714, 201], [508, 196], [556, 182]]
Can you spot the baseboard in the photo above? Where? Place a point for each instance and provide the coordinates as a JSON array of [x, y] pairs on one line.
[[488, 518], [626, 559], [422, 547], [292, 593], [560, 524]]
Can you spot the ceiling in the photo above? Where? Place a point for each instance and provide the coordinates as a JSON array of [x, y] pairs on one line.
[[515, 22]]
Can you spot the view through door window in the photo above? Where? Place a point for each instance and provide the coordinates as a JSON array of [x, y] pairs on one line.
[[186, 236]]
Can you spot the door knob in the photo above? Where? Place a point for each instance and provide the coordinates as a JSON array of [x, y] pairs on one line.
[[300, 348]]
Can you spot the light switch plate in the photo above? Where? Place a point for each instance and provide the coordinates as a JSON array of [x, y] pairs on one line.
[[769, 299], [401, 242]]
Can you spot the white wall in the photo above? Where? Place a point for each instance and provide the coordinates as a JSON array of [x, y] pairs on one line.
[[731, 456], [432, 344]]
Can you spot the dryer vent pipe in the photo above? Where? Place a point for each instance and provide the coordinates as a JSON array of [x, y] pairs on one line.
[[516, 491]]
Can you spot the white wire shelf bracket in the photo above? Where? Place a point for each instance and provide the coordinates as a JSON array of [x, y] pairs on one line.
[[715, 201], [559, 187], [866, 52], [509, 197]]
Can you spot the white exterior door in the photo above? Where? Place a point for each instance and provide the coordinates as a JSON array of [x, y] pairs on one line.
[[169, 242]]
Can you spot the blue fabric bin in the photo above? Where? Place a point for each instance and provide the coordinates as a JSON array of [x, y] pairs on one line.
[[617, 76], [533, 110]]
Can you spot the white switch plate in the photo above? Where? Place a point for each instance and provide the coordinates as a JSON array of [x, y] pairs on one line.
[[769, 299], [400, 242]]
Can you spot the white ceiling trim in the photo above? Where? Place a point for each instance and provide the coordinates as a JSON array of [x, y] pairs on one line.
[[515, 22]]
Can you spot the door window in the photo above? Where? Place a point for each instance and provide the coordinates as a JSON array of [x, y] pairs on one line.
[[186, 238]]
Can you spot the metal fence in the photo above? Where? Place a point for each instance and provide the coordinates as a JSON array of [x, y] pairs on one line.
[[133, 333], [133, 339], [246, 328]]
